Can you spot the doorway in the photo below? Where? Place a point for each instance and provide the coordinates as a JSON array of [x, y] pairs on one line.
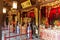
[[28, 16]]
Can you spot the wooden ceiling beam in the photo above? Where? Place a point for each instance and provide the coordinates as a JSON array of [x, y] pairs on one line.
[[8, 3]]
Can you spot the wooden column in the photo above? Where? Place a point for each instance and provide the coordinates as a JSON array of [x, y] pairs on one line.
[[1, 18], [36, 15]]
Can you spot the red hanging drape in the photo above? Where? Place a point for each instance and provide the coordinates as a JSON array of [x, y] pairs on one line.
[[52, 12], [58, 10], [31, 14], [55, 11]]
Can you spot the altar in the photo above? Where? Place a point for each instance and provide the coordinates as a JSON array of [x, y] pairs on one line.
[[48, 34]]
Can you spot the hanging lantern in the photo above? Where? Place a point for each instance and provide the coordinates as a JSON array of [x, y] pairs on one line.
[[14, 5], [4, 10]]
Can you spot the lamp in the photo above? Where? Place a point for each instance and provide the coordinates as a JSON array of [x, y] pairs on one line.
[[4, 10], [14, 6]]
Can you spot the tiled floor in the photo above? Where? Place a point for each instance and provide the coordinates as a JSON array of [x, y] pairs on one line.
[[22, 37]]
